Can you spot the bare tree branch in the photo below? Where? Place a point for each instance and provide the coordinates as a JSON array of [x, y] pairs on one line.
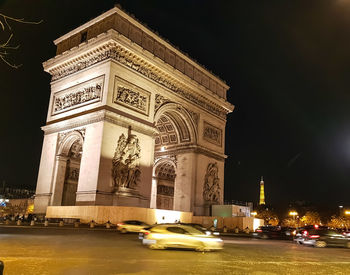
[[4, 24]]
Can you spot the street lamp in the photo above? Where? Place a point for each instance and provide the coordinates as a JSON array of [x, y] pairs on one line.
[[347, 212], [293, 213]]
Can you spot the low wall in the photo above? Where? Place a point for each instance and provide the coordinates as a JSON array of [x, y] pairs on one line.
[[115, 214], [230, 222]]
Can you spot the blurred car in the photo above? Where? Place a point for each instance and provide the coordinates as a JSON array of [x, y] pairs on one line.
[[325, 237], [346, 233], [180, 236], [270, 232], [131, 226], [300, 233]]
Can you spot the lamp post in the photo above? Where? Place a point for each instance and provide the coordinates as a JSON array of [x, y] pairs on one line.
[[294, 214]]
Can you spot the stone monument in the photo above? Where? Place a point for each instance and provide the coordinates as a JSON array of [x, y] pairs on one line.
[[132, 121]]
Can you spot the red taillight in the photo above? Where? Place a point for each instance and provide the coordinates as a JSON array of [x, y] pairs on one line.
[[258, 230], [314, 236], [305, 233], [145, 233], [316, 226]]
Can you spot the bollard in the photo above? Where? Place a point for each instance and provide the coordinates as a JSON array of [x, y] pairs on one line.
[[108, 225], [92, 224], [61, 223], [1, 267], [32, 222], [76, 224], [19, 222], [7, 222], [236, 230], [225, 229], [46, 223]]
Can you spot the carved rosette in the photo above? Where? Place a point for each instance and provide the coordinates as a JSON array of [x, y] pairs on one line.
[[126, 169], [211, 189]]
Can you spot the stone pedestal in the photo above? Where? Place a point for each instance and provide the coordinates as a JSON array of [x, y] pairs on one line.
[[129, 197]]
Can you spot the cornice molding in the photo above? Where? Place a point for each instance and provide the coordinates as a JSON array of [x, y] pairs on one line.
[[191, 149], [114, 51], [97, 116]]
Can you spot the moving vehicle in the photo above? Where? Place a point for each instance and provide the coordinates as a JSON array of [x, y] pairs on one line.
[[273, 232], [131, 226], [325, 237], [164, 236]]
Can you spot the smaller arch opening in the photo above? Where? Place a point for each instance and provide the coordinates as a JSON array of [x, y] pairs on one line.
[[165, 175]]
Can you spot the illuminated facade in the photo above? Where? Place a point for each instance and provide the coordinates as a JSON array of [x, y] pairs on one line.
[[262, 192], [132, 121]]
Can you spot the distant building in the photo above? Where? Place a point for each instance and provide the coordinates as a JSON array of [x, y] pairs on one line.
[[238, 209], [262, 192]]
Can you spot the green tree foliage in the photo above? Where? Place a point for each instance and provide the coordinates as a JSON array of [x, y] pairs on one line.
[[310, 218], [268, 216]]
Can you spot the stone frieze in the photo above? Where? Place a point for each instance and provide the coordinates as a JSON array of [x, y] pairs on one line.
[[116, 53], [212, 134], [79, 95], [132, 99]]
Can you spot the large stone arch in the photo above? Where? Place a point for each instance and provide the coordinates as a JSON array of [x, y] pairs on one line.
[[184, 125], [68, 158]]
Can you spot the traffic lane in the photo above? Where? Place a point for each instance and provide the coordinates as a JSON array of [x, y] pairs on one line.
[[98, 252]]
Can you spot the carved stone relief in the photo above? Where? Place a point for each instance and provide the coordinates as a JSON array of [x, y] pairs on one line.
[[212, 133], [159, 101], [194, 116], [211, 189], [131, 96], [126, 169], [73, 174], [120, 55], [79, 95], [62, 135], [165, 190]]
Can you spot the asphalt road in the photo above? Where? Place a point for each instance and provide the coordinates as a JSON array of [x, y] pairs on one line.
[[68, 251]]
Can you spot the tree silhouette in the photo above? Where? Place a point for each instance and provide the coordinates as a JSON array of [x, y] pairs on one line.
[[6, 46]]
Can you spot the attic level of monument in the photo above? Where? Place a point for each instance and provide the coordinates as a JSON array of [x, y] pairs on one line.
[[118, 20]]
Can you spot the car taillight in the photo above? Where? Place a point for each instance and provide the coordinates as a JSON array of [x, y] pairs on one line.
[[258, 230], [119, 224], [314, 236], [305, 233], [145, 233], [316, 226]]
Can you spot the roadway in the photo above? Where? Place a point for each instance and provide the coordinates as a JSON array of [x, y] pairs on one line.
[[27, 250]]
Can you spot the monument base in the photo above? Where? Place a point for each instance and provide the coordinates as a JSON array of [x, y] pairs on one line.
[[116, 214], [129, 197]]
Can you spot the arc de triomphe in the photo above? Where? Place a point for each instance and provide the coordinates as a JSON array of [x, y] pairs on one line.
[[132, 121]]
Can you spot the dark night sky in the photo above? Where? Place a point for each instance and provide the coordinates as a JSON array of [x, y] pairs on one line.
[[287, 63]]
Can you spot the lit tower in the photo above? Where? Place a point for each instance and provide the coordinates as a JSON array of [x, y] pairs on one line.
[[262, 192]]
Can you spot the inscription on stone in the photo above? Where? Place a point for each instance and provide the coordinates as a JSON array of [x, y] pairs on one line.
[[212, 133], [77, 96]]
